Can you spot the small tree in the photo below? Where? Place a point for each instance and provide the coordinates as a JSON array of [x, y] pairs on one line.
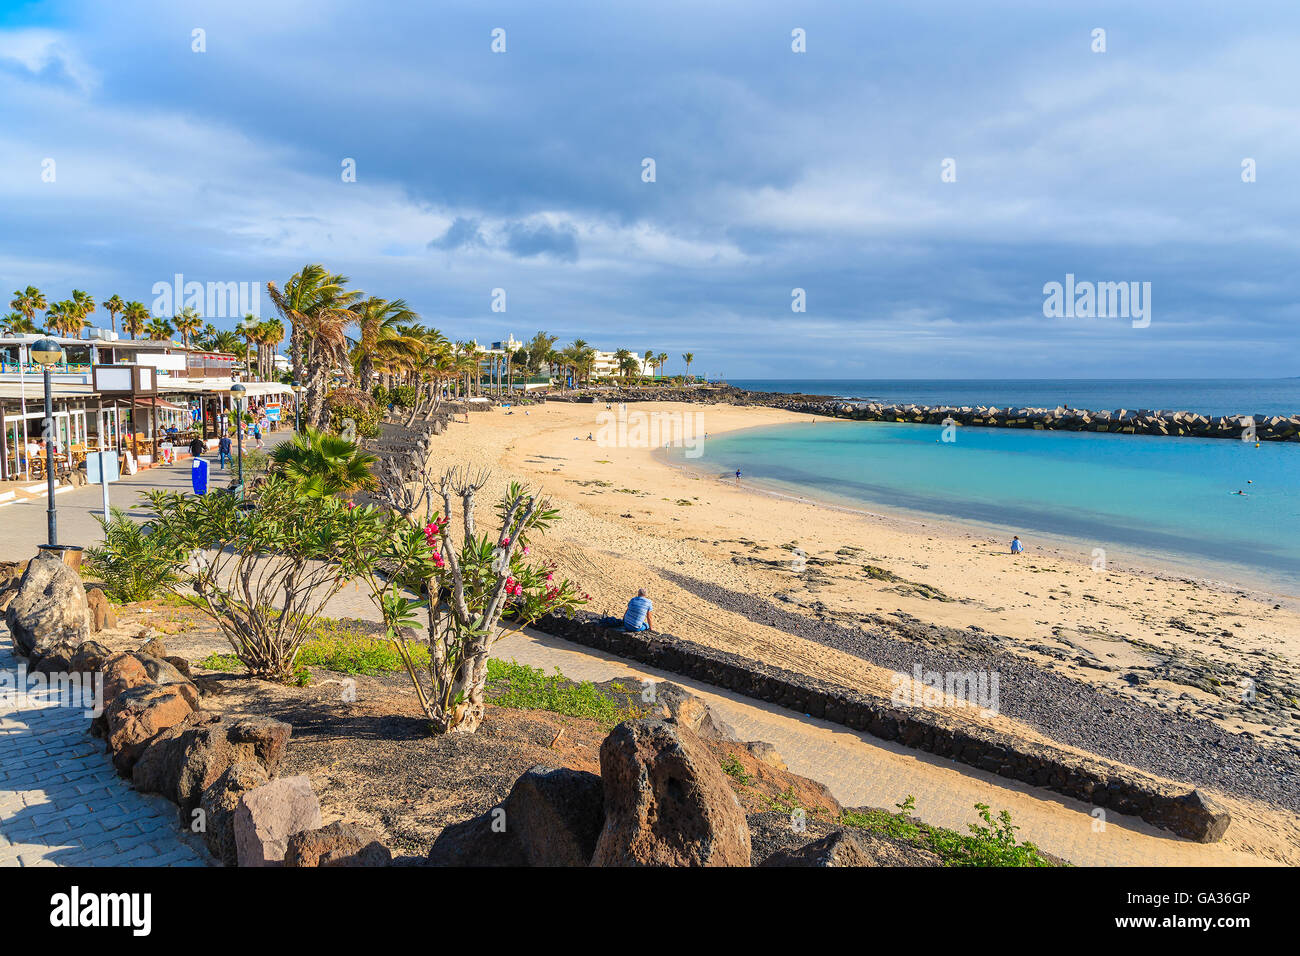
[[264, 569], [134, 562], [470, 586]]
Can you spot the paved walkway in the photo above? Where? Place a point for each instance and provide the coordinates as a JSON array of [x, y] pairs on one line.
[[24, 519], [61, 801]]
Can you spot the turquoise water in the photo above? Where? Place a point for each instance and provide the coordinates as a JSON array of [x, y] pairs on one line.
[[1126, 493]]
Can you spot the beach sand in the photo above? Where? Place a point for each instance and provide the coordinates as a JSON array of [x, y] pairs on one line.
[[630, 519]]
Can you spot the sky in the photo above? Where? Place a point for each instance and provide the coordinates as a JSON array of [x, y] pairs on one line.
[[774, 171]]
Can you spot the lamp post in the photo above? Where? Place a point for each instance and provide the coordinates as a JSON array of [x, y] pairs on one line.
[[297, 406], [239, 392], [45, 353]]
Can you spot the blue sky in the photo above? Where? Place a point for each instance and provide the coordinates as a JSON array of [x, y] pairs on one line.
[[774, 171]]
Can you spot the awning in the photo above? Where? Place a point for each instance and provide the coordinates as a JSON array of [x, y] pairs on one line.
[[159, 403]]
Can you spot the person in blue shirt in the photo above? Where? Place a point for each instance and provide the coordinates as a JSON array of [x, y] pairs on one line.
[[1016, 546], [638, 616], [223, 450]]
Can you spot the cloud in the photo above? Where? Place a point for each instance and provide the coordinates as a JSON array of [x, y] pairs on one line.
[[461, 234], [46, 56], [542, 239]]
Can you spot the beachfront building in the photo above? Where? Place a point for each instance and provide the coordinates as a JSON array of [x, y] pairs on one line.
[[144, 399], [606, 364]]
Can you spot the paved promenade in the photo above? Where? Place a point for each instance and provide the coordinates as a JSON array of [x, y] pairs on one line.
[[61, 801], [24, 520]]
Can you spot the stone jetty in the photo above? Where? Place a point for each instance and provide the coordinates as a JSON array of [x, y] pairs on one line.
[[1125, 421]]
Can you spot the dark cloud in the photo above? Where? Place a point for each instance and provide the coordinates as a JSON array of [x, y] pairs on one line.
[[461, 234], [559, 242]]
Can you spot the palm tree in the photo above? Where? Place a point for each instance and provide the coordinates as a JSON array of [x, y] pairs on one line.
[[688, 358], [621, 358], [224, 340], [317, 307], [64, 318], [660, 359], [134, 317], [82, 306], [114, 305], [159, 329], [324, 464], [187, 322], [374, 315], [269, 334], [15, 323], [649, 358], [29, 301]]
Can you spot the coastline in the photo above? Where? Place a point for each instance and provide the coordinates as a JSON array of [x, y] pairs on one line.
[[1121, 663], [631, 518], [1223, 576]]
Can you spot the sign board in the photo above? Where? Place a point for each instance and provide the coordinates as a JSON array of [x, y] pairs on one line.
[[123, 379], [272, 413], [102, 467]]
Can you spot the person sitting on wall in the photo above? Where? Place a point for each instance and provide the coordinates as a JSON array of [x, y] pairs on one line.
[[638, 617]]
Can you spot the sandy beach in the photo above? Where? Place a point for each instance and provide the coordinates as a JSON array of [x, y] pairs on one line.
[[788, 581]]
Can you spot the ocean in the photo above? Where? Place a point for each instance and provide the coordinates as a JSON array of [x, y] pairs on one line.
[[1207, 396], [1143, 500]]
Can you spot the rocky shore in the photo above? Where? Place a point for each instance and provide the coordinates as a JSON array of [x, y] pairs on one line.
[[1174, 424]]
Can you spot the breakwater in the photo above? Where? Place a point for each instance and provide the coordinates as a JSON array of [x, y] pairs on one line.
[[1160, 422]]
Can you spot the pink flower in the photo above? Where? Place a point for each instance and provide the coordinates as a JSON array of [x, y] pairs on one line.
[[505, 543], [351, 505], [525, 549]]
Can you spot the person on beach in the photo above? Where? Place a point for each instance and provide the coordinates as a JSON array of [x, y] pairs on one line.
[[223, 450], [737, 476], [1016, 546], [638, 616]]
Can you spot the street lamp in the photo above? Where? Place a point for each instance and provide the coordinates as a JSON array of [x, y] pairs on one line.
[[45, 353], [297, 406], [239, 392]]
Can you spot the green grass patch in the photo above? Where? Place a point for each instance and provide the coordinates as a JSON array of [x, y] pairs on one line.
[[530, 688], [222, 662], [733, 768], [337, 647], [991, 843]]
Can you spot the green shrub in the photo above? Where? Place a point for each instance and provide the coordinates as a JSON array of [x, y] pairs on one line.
[[380, 395], [134, 563], [221, 662], [991, 843], [404, 396], [353, 405]]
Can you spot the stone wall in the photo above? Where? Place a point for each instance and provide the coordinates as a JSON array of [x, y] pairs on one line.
[[1185, 812]]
